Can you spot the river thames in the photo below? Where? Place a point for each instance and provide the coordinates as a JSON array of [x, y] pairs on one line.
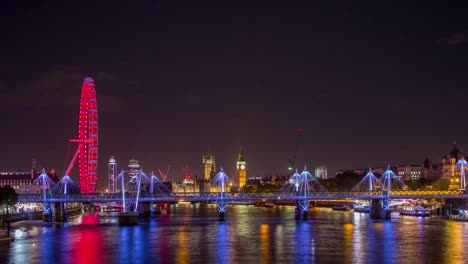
[[192, 234]]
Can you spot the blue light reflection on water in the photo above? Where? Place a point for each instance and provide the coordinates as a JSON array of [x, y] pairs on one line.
[[251, 235], [390, 250], [222, 244], [305, 244], [46, 253]]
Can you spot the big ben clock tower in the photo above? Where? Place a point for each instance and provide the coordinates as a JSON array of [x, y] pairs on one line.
[[241, 169]]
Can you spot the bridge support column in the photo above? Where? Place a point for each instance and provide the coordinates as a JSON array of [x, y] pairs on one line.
[[301, 211], [153, 209], [144, 210], [222, 208], [47, 215], [379, 209], [60, 212], [128, 218]]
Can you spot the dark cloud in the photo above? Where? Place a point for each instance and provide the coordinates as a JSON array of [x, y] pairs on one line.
[[105, 76], [3, 87], [56, 88], [455, 39], [51, 88]]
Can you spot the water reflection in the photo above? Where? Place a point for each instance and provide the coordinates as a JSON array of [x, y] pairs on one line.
[[162, 248], [222, 244], [390, 246], [250, 235], [87, 246], [182, 252], [19, 249], [358, 243], [305, 244], [279, 244], [348, 245], [455, 238], [265, 243]]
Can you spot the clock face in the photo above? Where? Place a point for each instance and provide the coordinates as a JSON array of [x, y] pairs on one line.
[[242, 167]]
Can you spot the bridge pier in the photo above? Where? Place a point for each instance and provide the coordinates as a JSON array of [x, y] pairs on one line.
[[153, 209], [301, 212], [47, 214], [144, 210], [60, 212], [222, 208], [379, 209], [159, 208], [128, 218], [89, 208]]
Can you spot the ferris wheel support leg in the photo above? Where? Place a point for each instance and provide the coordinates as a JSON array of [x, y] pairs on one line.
[[72, 163]]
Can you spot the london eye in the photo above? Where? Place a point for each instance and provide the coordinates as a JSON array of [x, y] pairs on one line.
[[87, 151]]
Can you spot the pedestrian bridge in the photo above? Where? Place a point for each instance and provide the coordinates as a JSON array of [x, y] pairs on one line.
[[240, 196]]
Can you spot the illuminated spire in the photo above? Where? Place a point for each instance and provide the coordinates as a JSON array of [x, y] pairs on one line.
[[241, 154]]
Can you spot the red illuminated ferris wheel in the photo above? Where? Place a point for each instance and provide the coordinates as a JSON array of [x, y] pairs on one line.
[[87, 151]]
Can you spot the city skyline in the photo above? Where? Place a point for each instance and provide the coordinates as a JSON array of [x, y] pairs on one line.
[[370, 85]]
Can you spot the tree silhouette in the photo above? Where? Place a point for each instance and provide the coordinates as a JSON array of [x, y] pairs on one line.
[[8, 197]]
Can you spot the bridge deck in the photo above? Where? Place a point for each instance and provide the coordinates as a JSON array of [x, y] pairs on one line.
[[208, 196]]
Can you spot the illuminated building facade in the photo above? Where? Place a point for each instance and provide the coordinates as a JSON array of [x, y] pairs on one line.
[[449, 169], [22, 182], [209, 170], [112, 174], [445, 169], [321, 172], [133, 170], [409, 172]]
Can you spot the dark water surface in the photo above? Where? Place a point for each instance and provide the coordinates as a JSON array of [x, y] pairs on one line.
[[192, 234]]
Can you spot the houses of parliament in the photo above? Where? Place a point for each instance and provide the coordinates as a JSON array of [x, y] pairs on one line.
[[210, 171]]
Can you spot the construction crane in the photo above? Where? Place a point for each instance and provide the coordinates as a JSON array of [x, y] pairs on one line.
[[187, 172], [165, 174], [292, 159]]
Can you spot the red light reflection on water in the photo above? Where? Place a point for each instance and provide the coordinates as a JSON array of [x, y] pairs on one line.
[[88, 244], [90, 219]]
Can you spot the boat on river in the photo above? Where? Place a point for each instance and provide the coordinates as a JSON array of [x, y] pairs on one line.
[[362, 208], [342, 207], [264, 204], [6, 239], [414, 211]]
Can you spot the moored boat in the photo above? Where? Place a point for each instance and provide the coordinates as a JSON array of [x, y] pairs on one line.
[[5, 236], [264, 204], [414, 211], [6, 239], [342, 207], [362, 209]]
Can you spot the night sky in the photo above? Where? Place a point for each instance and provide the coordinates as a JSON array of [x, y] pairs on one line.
[[371, 83]]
